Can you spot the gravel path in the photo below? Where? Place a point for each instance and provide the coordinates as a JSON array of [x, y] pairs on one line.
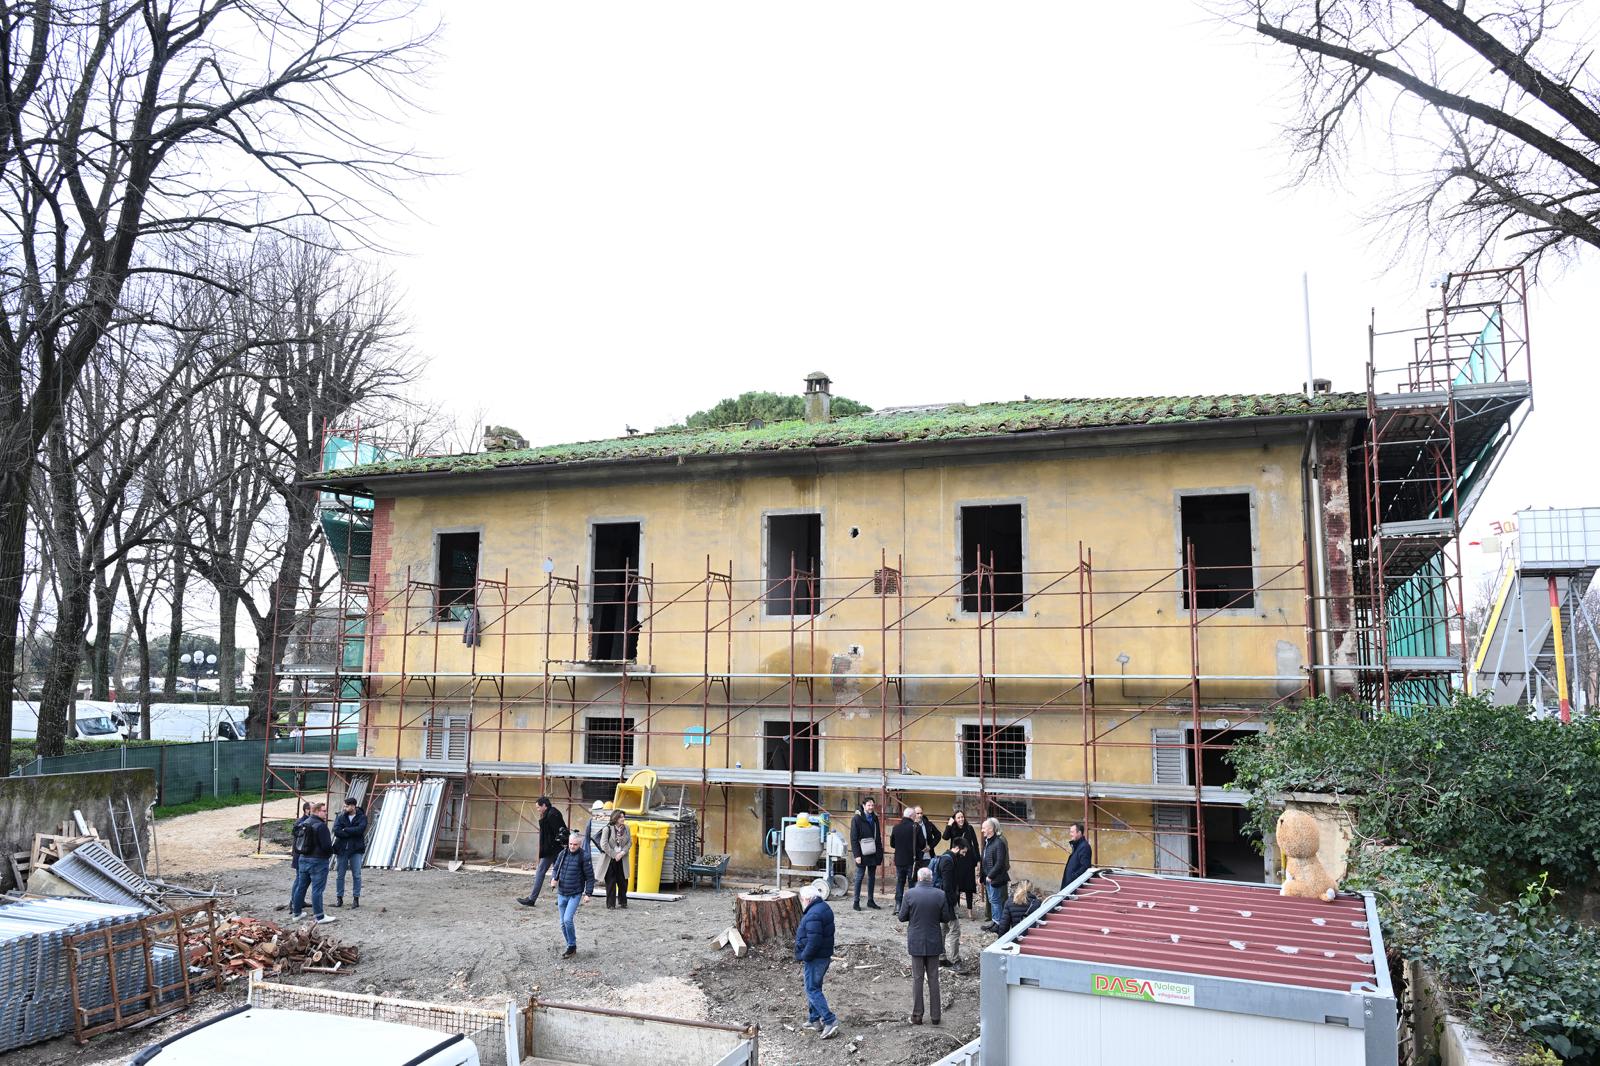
[[202, 845]]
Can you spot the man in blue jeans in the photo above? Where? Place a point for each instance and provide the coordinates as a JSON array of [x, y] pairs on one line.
[[349, 847], [995, 863], [572, 876], [813, 946], [316, 848]]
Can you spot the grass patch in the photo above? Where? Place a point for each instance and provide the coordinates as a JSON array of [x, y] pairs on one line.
[[208, 803], [277, 831]]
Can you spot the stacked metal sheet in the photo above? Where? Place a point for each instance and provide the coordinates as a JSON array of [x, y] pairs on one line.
[[35, 986], [95, 871], [403, 833]]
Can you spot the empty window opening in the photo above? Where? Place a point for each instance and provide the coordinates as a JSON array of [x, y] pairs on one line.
[[458, 574], [1230, 854], [789, 746], [794, 564], [614, 615], [608, 741], [1217, 526], [991, 535]]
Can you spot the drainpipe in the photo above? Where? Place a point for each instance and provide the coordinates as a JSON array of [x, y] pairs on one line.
[[1311, 491]]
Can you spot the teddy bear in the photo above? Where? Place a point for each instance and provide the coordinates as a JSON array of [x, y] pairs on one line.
[[1305, 876]]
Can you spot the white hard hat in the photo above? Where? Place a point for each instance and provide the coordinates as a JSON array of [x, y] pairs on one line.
[[599, 805]]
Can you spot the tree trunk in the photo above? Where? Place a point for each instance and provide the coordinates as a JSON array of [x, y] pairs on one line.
[[16, 477], [227, 620], [105, 609], [72, 610], [274, 627], [766, 915], [180, 581]]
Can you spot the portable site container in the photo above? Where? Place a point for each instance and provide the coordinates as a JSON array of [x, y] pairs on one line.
[[1138, 969]]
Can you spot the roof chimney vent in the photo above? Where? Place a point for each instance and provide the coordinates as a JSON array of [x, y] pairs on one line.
[[819, 400], [1321, 386]]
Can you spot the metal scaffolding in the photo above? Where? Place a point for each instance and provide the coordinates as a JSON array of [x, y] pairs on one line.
[[1431, 445], [452, 711]]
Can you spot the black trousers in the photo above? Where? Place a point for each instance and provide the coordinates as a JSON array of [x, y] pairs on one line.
[[904, 878], [871, 874], [616, 885]]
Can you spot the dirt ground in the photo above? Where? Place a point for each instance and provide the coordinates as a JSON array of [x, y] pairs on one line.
[[461, 937]]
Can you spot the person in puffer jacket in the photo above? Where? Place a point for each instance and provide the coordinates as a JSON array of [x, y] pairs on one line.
[[813, 948], [572, 876], [1023, 902]]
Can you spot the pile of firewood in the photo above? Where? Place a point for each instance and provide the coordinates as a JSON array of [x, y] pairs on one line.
[[256, 944]]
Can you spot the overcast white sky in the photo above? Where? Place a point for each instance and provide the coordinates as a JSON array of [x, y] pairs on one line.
[[652, 206]]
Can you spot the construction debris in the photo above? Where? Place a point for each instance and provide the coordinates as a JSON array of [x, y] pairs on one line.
[[256, 945], [91, 868], [730, 937], [36, 980]]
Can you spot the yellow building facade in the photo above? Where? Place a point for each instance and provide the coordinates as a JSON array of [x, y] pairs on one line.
[[1049, 624]]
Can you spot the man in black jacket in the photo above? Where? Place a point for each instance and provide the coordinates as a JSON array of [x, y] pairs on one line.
[[552, 842], [995, 865], [349, 848], [925, 909], [1081, 856], [866, 847], [316, 848], [906, 839]]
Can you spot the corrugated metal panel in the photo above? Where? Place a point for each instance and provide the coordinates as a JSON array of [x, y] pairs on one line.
[[1215, 928]]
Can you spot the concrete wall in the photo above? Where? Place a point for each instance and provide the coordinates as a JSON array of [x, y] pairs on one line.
[[1120, 505], [30, 805], [1440, 1036]]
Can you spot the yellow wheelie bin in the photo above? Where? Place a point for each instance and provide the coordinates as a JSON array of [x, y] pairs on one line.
[[644, 860]]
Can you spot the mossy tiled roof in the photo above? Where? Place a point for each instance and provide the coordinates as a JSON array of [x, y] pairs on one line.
[[952, 422]]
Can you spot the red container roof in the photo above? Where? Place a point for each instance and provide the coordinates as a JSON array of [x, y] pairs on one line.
[[1213, 928]]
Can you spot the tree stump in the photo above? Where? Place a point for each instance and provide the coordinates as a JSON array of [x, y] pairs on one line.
[[765, 915]]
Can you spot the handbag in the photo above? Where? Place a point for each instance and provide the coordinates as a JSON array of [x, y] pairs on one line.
[[868, 846]]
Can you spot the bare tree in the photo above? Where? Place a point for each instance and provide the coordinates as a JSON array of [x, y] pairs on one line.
[[347, 353], [1491, 115], [127, 125]]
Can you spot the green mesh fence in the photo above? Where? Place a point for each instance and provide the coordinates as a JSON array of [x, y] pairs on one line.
[[188, 772]]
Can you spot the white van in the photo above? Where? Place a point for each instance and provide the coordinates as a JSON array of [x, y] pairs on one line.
[[254, 1036], [191, 722], [96, 720]]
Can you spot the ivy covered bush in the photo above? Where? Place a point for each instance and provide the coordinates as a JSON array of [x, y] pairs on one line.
[[1515, 796], [1474, 823]]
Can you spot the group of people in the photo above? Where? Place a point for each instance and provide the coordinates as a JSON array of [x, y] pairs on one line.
[[315, 846], [929, 884], [575, 862]]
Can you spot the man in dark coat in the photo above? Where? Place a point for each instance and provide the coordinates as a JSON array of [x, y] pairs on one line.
[[316, 848], [995, 865], [298, 835], [1080, 858], [866, 845], [349, 848], [552, 842], [906, 839], [928, 839], [813, 947], [925, 908]]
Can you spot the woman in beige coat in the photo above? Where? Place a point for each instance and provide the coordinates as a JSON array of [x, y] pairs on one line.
[[611, 864]]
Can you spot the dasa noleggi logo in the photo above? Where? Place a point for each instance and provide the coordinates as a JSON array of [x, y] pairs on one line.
[[1143, 988]]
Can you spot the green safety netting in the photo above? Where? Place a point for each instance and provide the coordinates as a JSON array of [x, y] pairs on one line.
[[194, 771]]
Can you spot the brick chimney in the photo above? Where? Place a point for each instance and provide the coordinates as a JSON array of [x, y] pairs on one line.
[[819, 401]]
